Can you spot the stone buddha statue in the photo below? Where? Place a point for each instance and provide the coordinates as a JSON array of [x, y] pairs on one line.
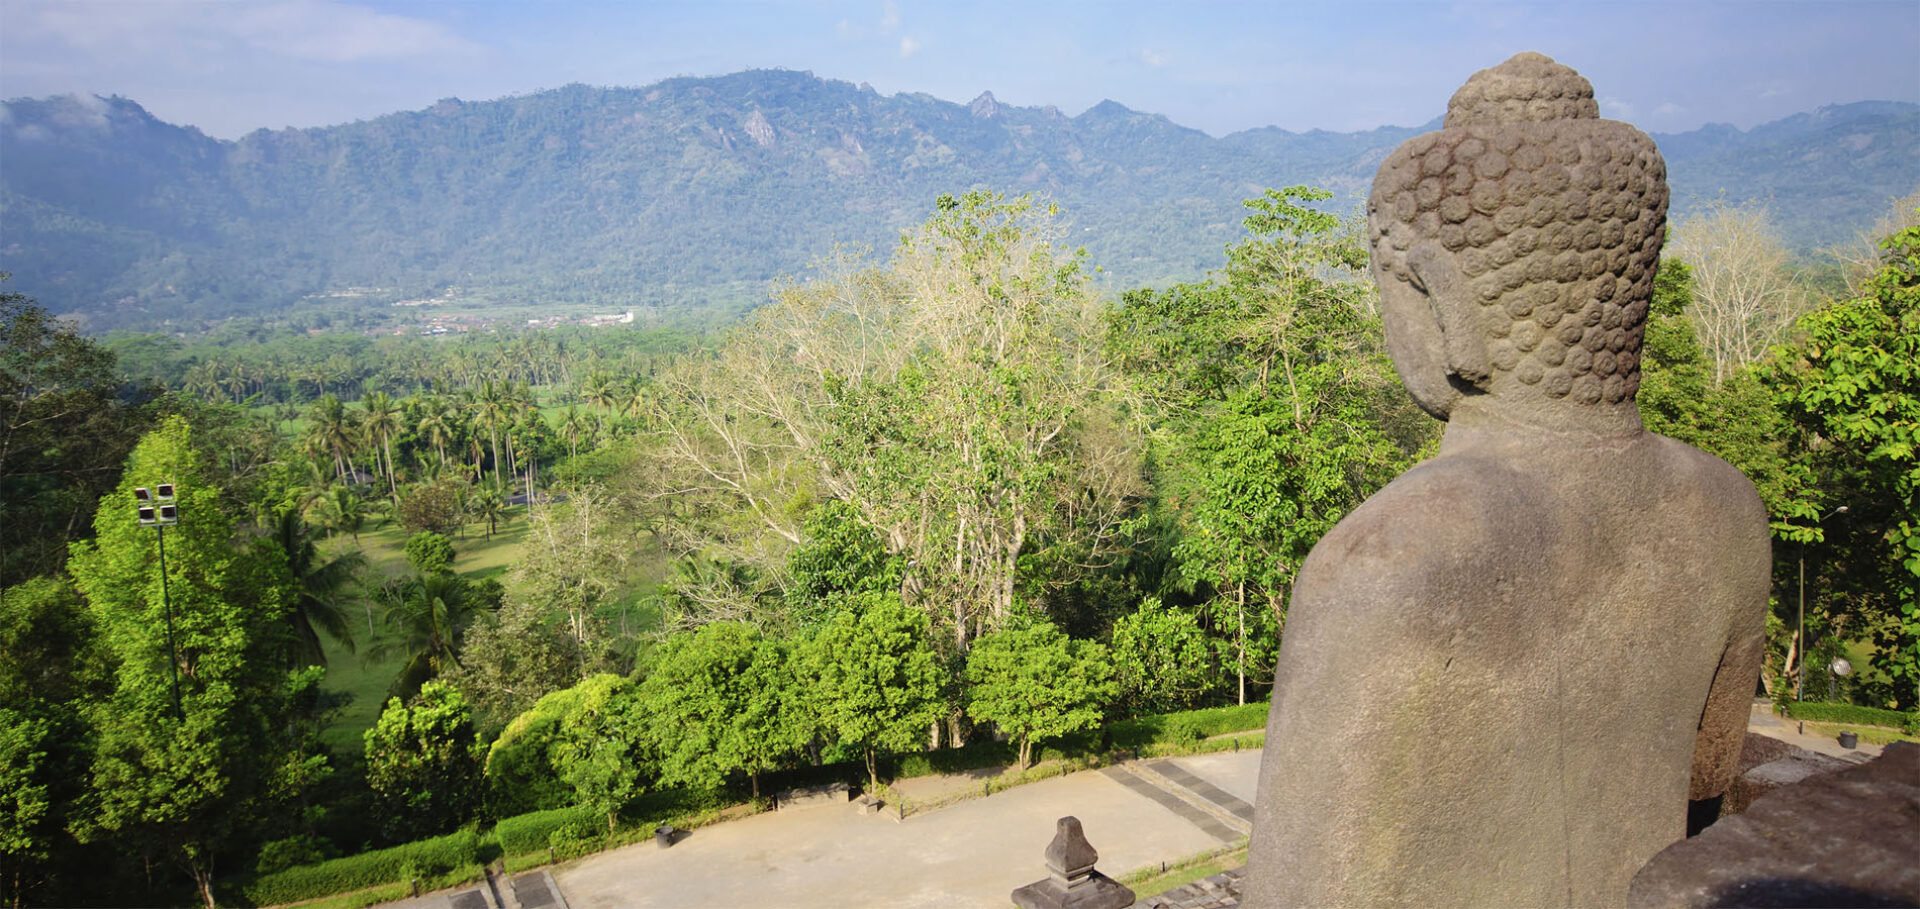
[[1505, 674]]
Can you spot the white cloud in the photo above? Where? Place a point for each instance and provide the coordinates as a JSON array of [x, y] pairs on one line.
[[319, 30], [1152, 58], [1668, 109], [1614, 107], [339, 33], [889, 17], [87, 110], [844, 29], [908, 47]]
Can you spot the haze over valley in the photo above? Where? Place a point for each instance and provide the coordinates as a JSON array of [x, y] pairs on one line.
[[681, 200]]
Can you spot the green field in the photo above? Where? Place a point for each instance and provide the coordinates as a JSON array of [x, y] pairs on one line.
[[363, 675]]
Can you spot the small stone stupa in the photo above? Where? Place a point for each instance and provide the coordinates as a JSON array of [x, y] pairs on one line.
[[1506, 673], [1071, 881]]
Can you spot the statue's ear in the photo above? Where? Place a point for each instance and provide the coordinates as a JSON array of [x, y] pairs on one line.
[[1438, 277]]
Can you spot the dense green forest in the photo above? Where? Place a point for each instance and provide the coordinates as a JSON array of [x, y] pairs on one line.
[[423, 584], [680, 200]]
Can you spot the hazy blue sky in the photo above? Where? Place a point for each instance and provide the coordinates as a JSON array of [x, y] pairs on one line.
[[229, 68]]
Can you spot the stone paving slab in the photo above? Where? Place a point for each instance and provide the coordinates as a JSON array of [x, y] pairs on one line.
[[1173, 803], [530, 890], [471, 899], [1229, 770], [1179, 775]]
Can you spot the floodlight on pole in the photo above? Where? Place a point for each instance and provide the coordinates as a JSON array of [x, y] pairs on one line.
[[156, 508], [1800, 668]]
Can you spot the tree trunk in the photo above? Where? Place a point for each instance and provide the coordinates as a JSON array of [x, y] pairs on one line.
[[495, 437], [1240, 619], [203, 881], [393, 487]]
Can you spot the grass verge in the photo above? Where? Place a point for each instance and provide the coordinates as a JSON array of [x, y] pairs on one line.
[[1872, 735], [1152, 881]]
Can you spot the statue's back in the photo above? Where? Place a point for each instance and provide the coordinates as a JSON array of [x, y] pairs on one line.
[[1492, 685], [1504, 675]]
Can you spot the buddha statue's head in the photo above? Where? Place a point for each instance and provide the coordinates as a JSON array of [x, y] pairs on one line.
[[1515, 249]]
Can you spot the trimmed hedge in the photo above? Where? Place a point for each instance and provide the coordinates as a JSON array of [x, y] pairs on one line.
[[1185, 727], [1848, 713], [422, 858], [530, 832]]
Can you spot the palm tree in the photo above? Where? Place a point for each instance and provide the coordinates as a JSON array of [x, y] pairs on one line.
[[317, 587], [340, 511], [431, 612], [493, 409], [330, 430], [235, 382], [573, 426], [601, 391], [490, 506], [435, 425], [637, 402], [200, 379], [520, 404], [382, 420]]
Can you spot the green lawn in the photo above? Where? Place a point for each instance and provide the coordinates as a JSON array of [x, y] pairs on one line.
[[366, 680], [365, 676]]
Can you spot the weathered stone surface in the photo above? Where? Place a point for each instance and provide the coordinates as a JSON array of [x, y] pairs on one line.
[[1767, 764], [1849, 838], [1526, 647], [1071, 881]]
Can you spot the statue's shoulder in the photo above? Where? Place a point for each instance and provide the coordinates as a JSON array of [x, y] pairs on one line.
[[1450, 499], [1709, 480]]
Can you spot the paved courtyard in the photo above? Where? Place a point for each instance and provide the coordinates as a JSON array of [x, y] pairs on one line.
[[970, 854]]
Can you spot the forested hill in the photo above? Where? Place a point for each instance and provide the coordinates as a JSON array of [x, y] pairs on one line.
[[690, 194]]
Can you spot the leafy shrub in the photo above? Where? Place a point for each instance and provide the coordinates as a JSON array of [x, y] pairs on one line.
[[952, 760], [425, 858], [533, 831], [1850, 713], [520, 773], [429, 552], [281, 854]]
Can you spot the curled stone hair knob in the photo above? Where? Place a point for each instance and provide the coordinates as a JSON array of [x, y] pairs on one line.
[[1528, 88]]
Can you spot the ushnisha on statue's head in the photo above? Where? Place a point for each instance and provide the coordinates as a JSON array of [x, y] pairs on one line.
[[1515, 251]]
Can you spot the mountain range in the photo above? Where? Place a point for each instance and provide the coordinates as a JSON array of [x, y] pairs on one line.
[[688, 195]]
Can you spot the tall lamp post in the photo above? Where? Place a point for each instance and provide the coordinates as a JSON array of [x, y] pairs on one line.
[[157, 510], [1800, 671]]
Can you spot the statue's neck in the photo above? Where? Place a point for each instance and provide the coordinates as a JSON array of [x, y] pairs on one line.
[[1477, 417]]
